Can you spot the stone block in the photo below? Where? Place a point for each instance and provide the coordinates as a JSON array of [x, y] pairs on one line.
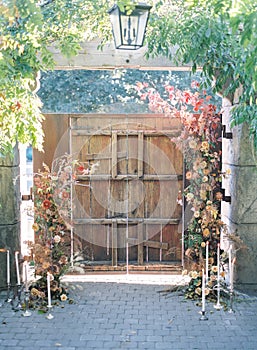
[[243, 191], [9, 239], [10, 195], [246, 277], [239, 150]]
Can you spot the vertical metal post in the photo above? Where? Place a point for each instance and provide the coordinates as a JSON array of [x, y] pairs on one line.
[[71, 194], [183, 219], [127, 205]]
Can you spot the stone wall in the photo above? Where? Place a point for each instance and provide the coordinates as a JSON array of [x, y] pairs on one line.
[[9, 213], [241, 185]]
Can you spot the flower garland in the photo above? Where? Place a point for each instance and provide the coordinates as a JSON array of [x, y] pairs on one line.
[[200, 143], [50, 253]]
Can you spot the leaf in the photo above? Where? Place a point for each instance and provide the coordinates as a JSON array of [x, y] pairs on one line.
[[208, 32]]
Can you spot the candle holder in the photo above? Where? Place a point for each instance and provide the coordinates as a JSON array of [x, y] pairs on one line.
[[49, 316], [18, 306], [231, 301], [8, 298], [203, 316], [26, 313], [218, 305]]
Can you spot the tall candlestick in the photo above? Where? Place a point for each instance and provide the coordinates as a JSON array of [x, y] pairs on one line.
[[203, 291], [232, 274], [26, 275], [17, 268], [8, 267], [230, 267], [207, 260], [203, 317], [218, 261], [48, 290], [218, 306], [49, 316]]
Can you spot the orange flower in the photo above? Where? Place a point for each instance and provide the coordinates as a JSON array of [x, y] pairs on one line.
[[46, 204], [65, 195], [206, 232], [223, 274], [188, 175], [204, 146], [45, 265], [35, 227]]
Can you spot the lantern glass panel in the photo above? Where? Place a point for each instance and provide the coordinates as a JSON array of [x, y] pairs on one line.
[[129, 29]]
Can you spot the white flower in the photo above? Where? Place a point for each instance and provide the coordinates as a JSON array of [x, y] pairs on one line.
[[57, 239], [189, 196]]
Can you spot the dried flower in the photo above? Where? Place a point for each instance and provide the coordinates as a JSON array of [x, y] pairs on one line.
[[188, 175], [57, 239], [204, 146], [46, 204], [205, 179], [214, 269], [35, 227], [194, 274], [206, 232], [63, 297], [196, 214], [189, 197], [198, 291]]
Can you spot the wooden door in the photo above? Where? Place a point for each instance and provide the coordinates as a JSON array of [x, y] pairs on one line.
[[127, 207]]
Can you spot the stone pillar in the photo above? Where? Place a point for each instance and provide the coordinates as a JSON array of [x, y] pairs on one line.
[[241, 214], [9, 212]]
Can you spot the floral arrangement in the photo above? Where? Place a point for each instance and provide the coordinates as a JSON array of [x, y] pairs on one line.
[[52, 225], [200, 143]]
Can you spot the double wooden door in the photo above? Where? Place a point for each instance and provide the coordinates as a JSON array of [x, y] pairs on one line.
[[126, 207]]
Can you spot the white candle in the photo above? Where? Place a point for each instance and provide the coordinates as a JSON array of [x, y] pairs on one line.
[[25, 265], [17, 268], [230, 266], [203, 292], [8, 266], [218, 262], [207, 260], [48, 290], [232, 275]]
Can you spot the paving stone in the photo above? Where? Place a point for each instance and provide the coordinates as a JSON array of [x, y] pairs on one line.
[[113, 316]]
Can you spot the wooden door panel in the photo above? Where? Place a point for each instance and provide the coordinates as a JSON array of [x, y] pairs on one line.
[[129, 203]]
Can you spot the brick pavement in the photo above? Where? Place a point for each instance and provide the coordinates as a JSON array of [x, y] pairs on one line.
[[116, 316]]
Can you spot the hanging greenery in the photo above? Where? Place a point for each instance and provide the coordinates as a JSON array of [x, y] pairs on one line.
[[218, 36]]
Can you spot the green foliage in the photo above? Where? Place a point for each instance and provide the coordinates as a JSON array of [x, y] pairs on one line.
[[27, 29], [220, 36]]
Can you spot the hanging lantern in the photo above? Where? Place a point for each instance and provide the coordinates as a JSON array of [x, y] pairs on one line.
[[129, 27]]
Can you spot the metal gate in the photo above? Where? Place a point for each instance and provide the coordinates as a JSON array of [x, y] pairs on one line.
[[126, 209]]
